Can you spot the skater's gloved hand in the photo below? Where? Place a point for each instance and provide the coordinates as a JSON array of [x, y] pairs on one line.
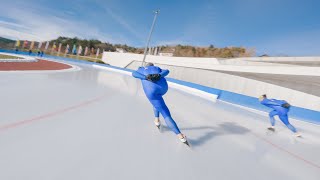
[[153, 77], [156, 77], [286, 105], [148, 77]]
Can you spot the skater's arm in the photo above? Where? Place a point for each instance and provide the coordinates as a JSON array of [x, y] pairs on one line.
[[138, 75], [270, 102], [164, 73]]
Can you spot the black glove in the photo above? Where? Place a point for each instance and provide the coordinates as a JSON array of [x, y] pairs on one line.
[[286, 105], [153, 77]]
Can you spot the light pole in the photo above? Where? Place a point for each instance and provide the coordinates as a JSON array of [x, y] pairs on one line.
[[151, 30]]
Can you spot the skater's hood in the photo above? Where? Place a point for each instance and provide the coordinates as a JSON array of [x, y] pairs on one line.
[[152, 70]]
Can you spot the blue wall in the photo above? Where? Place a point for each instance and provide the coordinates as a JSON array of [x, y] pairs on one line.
[[234, 98]]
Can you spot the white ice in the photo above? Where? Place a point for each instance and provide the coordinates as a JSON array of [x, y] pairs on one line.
[[93, 124]]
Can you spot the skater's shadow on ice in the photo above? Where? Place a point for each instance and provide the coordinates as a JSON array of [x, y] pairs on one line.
[[209, 132]]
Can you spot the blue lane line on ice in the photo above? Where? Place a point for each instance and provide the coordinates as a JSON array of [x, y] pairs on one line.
[[227, 96]]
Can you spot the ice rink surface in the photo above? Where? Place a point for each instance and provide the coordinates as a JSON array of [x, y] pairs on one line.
[[92, 124]]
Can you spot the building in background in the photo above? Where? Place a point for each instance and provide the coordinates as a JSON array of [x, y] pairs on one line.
[[120, 50]]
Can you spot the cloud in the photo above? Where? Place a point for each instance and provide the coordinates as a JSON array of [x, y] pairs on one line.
[[199, 27], [41, 24], [124, 24], [11, 24], [8, 32]]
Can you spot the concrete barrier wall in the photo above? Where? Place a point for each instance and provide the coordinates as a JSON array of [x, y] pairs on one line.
[[240, 85], [248, 102], [270, 59], [201, 71], [124, 59], [191, 88], [244, 62]]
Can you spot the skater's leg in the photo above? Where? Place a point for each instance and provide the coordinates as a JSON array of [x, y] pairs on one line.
[[156, 112], [163, 109], [168, 119], [156, 119], [172, 125], [285, 120], [271, 116]]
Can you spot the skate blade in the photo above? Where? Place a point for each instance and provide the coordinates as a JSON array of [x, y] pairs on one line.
[[298, 136], [159, 127], [186, 143]]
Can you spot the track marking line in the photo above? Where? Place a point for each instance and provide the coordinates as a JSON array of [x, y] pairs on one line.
[[50, 114], [286, 151]]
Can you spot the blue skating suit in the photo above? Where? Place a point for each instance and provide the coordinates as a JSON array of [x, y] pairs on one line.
[[154, 92], [282, 112]]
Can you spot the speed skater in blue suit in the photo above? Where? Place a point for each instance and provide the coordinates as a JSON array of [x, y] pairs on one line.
[[281, 109], [155, 86]]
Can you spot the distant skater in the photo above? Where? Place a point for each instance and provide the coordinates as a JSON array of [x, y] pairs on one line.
[[155, 86], [281, 109]]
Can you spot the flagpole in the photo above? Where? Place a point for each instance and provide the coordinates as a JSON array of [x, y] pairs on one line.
[[148, 41]]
